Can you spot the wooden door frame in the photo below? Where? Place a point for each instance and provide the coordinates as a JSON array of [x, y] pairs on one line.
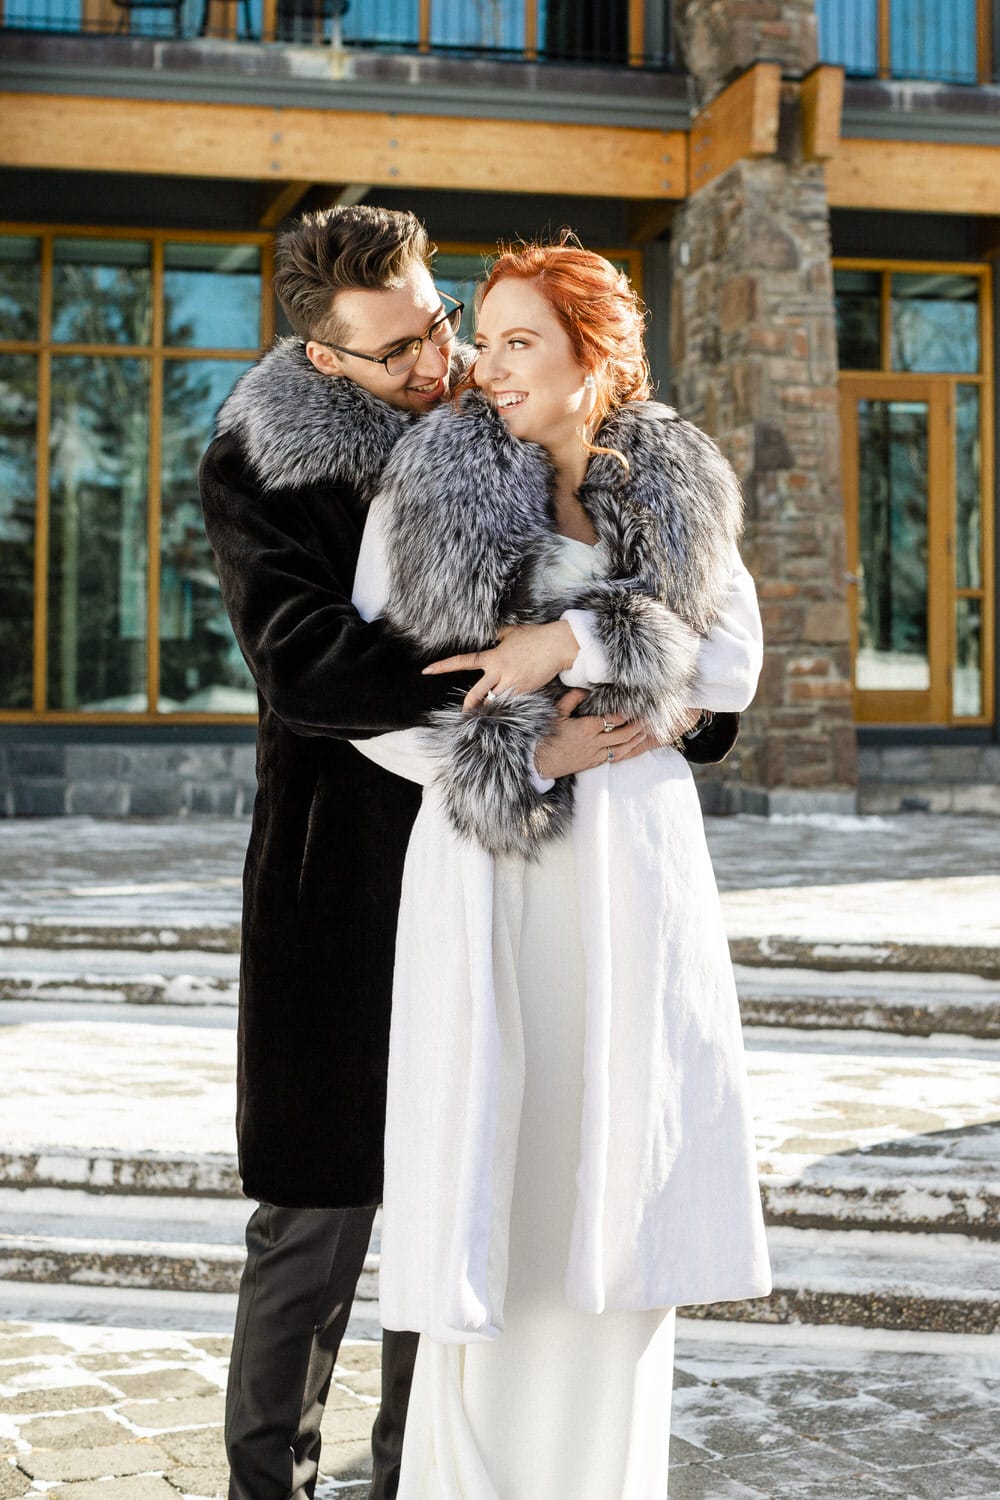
[[933, 705]]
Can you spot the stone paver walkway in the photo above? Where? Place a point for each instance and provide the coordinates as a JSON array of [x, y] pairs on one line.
[[91, 1413]]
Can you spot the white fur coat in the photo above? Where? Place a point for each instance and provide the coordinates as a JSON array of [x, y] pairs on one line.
[[668, 1208]]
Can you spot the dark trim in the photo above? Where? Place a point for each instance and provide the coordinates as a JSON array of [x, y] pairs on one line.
[[995, 282], [889, 736], [41, 733]]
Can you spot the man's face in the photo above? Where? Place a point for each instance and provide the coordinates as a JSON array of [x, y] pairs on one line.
[[375, 323]]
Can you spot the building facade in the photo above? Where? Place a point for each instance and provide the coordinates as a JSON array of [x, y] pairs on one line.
[[806, 192]]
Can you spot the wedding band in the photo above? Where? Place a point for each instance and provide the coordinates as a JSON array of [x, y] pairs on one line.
[[491, 696], [608, 727], [611, 755]]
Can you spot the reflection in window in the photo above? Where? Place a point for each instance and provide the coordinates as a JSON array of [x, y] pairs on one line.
[[892, 615], [933, 39], [97, 558], [935, 322], [101, 292], [497, 25], [968, 520], [211, 296], [967, 691], [201, 669], [370, 21], [18, 287], [858, 303], [848, 34], [459, 276], [18, 413]]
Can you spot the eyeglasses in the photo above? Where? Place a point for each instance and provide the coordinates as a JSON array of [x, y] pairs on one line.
[[403, 358]]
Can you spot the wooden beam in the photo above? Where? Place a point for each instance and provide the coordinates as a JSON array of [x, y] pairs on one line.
[[81, 133], [915, 176], [649, 220], [636, 32], [742, 121], [822, 95], [282, 200]]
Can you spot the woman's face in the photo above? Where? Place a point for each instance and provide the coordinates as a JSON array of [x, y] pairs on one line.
[[527, 367]]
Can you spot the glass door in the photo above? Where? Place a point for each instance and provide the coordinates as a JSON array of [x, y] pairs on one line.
[[898, 510]]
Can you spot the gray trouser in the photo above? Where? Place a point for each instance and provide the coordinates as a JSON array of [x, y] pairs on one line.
[[295, 1299]]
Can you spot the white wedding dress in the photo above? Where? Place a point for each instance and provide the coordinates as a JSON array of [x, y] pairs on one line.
[[564, 1403]]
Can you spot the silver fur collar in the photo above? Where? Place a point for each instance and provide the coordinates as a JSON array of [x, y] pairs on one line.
[[299, 427], [470, 523]]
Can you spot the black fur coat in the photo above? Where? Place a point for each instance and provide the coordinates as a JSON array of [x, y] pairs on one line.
[[469, 530], [285, 487]]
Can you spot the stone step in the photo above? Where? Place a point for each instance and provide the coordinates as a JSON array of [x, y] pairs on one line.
[[942, 1283], [937, 1283], [907, 926], [72, 1237], [855, 1129], [908, 1004], [119, 976]]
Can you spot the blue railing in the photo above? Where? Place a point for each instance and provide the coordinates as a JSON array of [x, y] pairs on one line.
[[594, 31]]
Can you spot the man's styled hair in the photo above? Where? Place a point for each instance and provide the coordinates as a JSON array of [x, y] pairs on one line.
[[340, 249]]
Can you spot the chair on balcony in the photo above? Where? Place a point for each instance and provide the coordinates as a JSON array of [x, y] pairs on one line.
[[305, 20], [128, 6]]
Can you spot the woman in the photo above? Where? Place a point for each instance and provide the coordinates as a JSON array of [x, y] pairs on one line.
[[568, 1154]]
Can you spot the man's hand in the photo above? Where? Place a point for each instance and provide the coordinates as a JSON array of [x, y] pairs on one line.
[[581, 744], [527, 657]]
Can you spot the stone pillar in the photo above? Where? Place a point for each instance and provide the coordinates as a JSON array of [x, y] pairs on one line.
[[754, 361]]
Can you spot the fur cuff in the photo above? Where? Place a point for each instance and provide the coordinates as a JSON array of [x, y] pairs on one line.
[[485, 776], [652, 658]]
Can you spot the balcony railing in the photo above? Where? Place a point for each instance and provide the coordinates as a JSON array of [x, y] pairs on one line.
[[944, 41], [631, 33]]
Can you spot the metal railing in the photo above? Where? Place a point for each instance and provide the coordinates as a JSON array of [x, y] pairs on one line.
[[630, 33], [943, 41]]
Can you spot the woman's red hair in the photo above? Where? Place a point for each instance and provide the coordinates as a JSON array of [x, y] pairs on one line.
[[598, 308]]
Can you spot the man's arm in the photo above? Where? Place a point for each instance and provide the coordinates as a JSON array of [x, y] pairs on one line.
[[320, 667]]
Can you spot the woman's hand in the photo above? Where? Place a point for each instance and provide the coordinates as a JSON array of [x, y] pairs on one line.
[[527, 657], [581, 744]]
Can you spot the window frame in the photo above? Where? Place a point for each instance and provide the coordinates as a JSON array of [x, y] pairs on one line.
[[855, 382], [157, 354]]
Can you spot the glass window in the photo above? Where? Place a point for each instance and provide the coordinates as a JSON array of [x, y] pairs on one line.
[[968, 489], [848, 34], [211, 296], [967, 678], [858, 303], [935, 322], [99, 444], [497, 25], [201, 669], [372, 21], [18, 287], [101, 292], [18, 413], [933, 39], [893, 512], [459, 275]]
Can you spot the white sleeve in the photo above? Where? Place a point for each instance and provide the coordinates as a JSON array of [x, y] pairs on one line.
[[732, 653], [591, 663], [404, 752]]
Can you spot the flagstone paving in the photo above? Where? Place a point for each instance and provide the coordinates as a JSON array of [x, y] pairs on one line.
[[90, 1413]]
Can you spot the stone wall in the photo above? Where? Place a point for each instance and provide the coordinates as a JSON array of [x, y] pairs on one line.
[[754, 361], [722, 38], [124, 779]]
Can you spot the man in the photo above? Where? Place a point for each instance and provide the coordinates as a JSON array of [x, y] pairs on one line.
[[298, 451]]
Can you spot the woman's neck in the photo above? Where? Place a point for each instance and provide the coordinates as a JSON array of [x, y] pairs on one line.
[[570, 470]]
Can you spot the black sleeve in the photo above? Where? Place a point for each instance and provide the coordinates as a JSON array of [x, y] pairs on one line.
[[320, 667]]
